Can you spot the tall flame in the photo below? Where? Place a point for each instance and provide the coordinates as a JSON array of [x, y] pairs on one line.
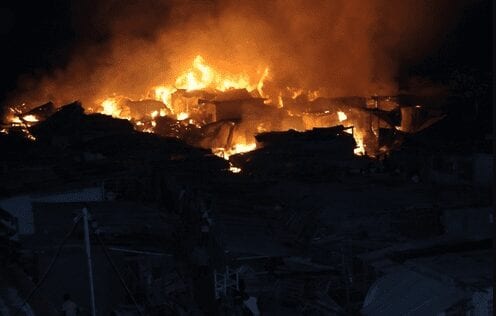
[[360, 147], [111, 107], [201, 76], [164, 94]]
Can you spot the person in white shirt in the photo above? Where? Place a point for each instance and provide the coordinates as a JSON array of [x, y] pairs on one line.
[[69, 308]]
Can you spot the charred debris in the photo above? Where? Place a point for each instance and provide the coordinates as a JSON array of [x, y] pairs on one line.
[[306, 228]]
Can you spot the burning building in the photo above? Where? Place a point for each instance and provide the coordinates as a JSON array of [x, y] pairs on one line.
[[225, 112], [247, 68]]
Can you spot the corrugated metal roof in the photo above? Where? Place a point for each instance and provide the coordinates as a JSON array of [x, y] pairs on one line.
[[405, 292]]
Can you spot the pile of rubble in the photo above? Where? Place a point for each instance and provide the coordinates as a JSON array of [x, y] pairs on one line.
[[307, 226]]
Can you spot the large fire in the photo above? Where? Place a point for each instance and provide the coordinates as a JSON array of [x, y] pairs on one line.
[[223, 111], [203, 77]]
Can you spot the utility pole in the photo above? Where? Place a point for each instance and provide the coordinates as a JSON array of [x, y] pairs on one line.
[[88, 257]]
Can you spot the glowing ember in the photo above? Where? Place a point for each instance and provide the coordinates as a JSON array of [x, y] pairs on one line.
[[30, 118], [182, 116], [16, 120], [342, 116], [360, 147], [242, 148], [29, 135], [234, 169], [236, 149]]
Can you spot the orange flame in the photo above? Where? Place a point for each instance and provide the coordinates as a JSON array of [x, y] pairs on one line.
[[236, 149], [342, 116], [182, 116], [30, 118], [111, 107], [202, 76], [360, 147]]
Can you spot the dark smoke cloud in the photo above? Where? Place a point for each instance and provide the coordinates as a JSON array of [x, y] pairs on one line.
[[343, 47]]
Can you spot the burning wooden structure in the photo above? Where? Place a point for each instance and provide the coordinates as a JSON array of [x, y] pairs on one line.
[[223, 112]]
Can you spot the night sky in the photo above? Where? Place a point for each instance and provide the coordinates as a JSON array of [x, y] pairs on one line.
[[39, 36], [468, 46]]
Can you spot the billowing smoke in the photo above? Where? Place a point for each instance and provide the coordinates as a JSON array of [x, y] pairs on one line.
[[342, 47]]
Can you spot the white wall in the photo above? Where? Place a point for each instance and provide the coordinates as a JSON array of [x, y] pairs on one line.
[[21, 206]]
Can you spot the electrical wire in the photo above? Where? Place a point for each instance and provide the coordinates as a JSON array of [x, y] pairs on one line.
[[121, 279], [50, 266]]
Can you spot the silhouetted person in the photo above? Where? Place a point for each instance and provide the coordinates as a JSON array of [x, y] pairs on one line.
[[205, 223], [69, 308]]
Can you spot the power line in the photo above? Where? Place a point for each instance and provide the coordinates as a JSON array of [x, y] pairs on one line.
[[107, 254], [50, 266]]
